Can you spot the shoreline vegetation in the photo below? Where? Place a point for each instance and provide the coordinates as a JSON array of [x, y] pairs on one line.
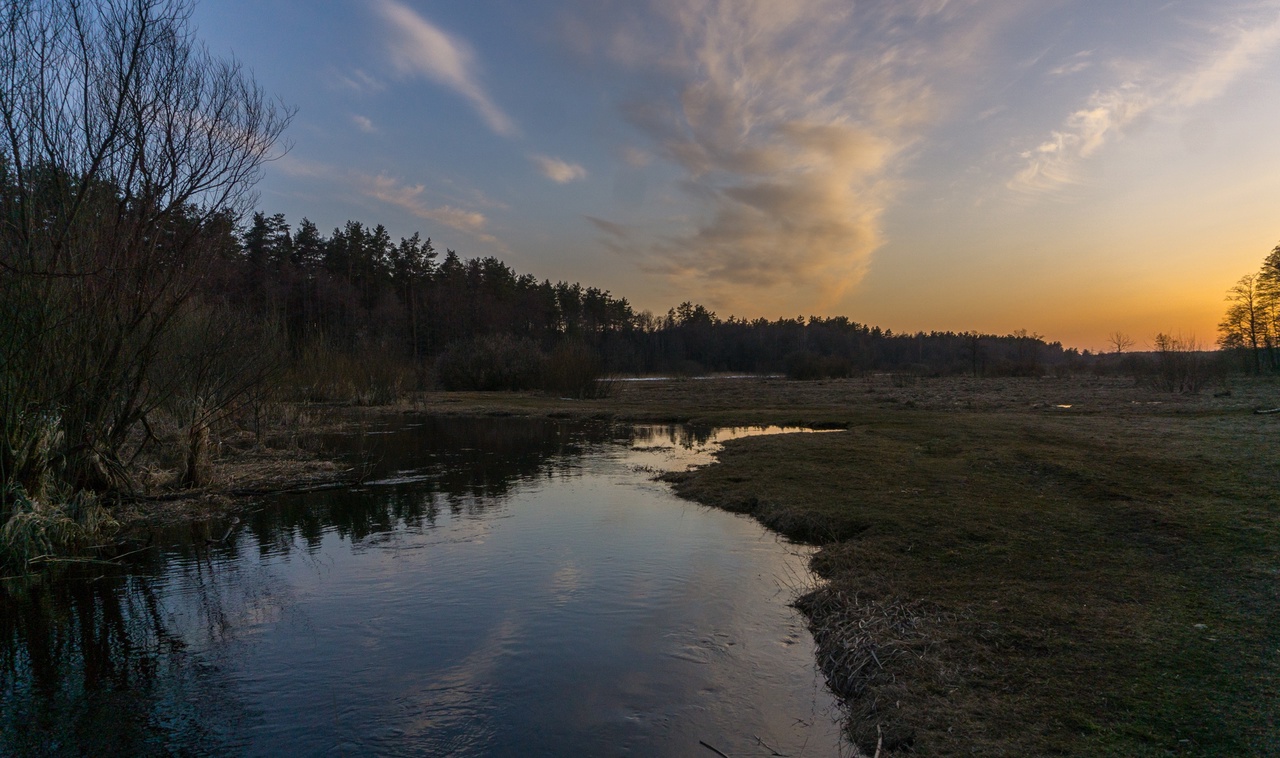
[[1020, 566]]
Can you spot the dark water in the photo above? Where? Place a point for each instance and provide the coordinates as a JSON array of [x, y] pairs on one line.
[[499, 587]]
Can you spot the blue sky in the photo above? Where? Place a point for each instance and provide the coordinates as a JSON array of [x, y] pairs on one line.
[[1071, 168]]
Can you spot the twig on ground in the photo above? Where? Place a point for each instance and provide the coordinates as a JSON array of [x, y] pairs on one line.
[[712, 749], [772, 750], [54, 559]]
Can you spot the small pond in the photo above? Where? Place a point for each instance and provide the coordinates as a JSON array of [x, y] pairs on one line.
[[497, 587]]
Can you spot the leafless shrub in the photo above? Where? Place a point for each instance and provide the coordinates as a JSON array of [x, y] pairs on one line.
[[213, 364], [126, 152], [575, 370], [1181, 365], [321, 373], [496, 362]]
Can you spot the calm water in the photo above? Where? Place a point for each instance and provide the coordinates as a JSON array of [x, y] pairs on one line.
[[499, 587]]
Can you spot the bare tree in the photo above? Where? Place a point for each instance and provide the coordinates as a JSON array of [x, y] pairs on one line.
[[1181, 364], [1245, 325], [1120, 341], [126, 153]]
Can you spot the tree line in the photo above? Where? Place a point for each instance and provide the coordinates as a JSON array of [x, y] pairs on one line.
[[1250, 328], [357, 291]]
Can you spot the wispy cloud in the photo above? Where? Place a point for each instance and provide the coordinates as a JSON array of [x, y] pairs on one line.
[[419, 47], [1106, 117], [787, 120], [1073, 65], [635, 157], [1111, 112], [409, 197], [557, 170], [392, 191], [358, 81], [363, 123], [609, 227]]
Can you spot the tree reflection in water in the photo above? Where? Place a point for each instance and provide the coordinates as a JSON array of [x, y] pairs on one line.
[[139, 659], [91, 665]]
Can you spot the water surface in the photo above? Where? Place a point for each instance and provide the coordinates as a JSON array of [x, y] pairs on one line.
[[497, 587]]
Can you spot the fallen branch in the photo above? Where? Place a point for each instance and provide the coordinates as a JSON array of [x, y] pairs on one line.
[[1268, 410], [55, 559], [708, 747], [772, 750]]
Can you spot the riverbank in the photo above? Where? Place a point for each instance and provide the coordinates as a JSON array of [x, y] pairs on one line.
[[1021, 567], [1014, 575], [1014, 566]]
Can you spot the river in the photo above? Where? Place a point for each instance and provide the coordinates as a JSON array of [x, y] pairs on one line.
[[498, 586]]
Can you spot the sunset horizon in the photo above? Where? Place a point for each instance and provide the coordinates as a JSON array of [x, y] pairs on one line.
[[653, 377], [1071, 171]]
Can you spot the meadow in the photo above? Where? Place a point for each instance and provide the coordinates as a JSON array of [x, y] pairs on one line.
[[1072, 565]]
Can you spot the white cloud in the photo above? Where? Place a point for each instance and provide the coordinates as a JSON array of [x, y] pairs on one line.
[[1245, 50], [787, 121], [363, 123], [1110, 113], [419, 47], [558, 171]]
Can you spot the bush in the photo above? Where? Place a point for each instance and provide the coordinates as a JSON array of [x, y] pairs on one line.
[[496, 362], [804, 365], [575, 370], [1180, 366], [31, 529], [322, 373]]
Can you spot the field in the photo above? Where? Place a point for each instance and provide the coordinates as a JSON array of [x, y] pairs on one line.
[[1071, 565], [1013, 567]]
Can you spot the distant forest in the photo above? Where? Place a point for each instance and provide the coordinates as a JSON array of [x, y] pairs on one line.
[[356, 293]]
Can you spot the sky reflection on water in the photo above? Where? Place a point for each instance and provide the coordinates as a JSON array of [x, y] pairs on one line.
[[500, 587]]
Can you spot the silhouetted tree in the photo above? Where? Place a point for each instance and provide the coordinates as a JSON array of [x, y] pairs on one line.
[[127, 150], [1246, 323]]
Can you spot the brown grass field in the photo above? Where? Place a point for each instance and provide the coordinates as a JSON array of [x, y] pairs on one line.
[[1006, 575], [1053, 566]]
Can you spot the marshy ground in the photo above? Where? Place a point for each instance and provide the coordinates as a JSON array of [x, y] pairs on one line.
[[1070, 565], [1014, 566]]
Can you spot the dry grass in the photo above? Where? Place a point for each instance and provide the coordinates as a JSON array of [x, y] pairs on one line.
[[1092, 580], [1068, 565], [1063, 565], [754, 401], [287, 455]]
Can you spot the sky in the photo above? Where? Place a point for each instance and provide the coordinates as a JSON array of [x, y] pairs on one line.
[[1073, 168]]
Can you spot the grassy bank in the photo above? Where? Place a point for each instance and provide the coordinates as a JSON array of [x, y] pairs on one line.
[[1014, 566], [1074, 566], [1018, 578]]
